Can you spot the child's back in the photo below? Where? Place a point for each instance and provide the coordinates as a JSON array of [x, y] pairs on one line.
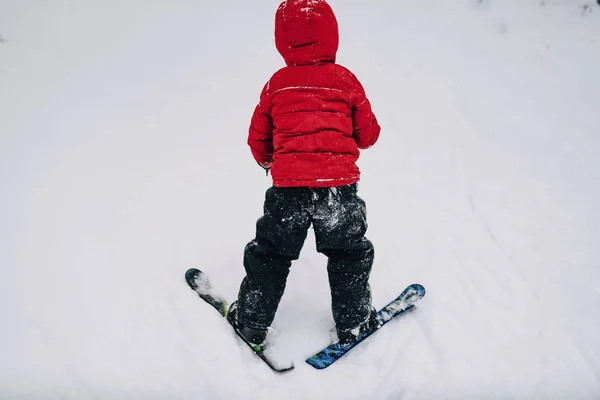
[[313, 114]]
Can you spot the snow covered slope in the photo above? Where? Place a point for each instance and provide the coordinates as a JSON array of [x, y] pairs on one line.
[[123, 162]]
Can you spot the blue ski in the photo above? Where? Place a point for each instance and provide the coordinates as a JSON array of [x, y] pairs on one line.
[[407, 299]]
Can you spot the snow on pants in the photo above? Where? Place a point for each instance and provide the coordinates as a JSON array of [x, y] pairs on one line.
[[338, 217]]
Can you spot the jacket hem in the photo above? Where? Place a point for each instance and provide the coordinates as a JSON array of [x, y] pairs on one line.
[[315, 183]]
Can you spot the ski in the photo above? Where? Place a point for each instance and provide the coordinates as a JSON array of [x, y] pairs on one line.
[[199, 282], [407, 299]]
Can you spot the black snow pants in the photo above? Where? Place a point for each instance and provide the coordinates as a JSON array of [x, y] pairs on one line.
[[338, 217]]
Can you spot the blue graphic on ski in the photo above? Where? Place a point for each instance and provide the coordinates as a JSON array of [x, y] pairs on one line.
[[407, 299], [199, 282]]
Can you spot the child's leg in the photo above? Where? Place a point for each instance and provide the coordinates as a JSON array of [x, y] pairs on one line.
[[280, 235], [340, 225]]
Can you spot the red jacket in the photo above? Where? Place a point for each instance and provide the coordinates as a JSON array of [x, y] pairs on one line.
[[313, 115]]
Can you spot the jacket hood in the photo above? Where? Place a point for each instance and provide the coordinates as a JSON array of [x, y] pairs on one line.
[[306, 32]]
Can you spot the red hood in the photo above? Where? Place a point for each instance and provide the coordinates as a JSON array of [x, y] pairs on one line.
[[306, 32]]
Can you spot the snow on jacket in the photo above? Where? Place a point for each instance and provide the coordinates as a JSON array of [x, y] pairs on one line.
[[313, 115]]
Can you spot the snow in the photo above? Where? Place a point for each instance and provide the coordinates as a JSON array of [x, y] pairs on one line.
[[123, 162]]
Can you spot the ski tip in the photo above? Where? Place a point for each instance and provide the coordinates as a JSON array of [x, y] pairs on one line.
[[190, 276], [418, 288]]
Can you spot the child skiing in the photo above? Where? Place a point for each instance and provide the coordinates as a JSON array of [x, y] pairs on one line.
[[312, 118]]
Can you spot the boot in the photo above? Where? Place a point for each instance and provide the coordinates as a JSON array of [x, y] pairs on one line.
[[255, 337], [351, 335]]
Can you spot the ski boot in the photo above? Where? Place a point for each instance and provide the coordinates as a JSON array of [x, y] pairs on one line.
[[255, 337], [348, 336]]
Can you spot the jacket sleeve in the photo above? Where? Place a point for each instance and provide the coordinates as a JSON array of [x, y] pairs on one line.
[[260, 134], [366, 127]]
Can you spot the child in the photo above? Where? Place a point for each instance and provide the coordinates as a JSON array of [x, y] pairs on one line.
[[307, 129]]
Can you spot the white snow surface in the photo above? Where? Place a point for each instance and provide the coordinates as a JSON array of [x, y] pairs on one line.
[[123, 162]]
